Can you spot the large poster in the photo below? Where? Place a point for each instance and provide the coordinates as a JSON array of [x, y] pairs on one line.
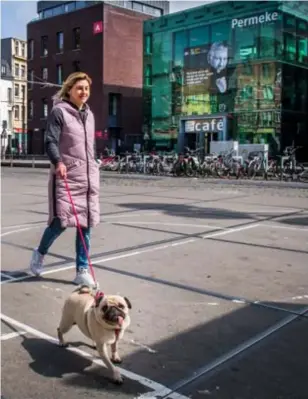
[[205, 79]]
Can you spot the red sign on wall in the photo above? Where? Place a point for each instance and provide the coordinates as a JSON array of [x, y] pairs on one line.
[[98, 133], [97, 27]]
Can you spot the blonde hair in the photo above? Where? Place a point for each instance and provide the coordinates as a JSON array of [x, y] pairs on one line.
[[71, 80]]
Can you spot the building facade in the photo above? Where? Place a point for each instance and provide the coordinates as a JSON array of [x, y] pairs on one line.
[[228, 71], [6, 108], [14, 68], [104, 41]]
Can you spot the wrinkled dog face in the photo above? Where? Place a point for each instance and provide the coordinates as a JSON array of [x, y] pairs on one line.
[[112, 309]]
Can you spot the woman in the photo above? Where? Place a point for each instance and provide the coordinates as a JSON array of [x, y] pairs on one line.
[[70, 146]]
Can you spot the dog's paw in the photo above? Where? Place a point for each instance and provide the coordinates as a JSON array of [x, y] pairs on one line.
[[116, 359], [117, 378]]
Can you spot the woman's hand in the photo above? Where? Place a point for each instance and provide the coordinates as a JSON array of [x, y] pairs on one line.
[[61, 170]]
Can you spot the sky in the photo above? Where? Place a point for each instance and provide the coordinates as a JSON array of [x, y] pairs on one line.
[[16, 14]]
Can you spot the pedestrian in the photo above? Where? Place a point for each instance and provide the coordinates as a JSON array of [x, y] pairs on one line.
[[70, 146]]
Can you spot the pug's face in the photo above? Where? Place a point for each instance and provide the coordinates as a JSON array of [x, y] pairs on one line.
[[112, 309]]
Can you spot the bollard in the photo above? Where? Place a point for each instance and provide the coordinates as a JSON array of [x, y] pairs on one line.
[[33, 163]]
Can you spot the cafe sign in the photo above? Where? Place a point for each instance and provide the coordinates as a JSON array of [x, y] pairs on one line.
[[209, 125]]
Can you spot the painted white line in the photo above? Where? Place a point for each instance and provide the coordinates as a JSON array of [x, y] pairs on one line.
[[129, 215], [206, 226], [7, 233], [273, 226], [7, 276], [142, 251], [11, 335], [201, 372], [132, 376], [233, 230], [13, 226]]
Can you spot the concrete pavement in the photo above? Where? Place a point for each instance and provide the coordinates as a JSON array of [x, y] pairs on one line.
[[216, 275]]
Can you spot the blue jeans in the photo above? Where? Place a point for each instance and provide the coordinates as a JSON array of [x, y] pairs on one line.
[[54, 230]]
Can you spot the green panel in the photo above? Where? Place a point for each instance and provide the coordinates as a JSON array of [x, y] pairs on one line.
[[161, 97], [199, 36], [162, 53]]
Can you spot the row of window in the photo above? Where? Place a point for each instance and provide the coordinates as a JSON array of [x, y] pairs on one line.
[[46, 41], [75, 5], [45, 73], [286, 38]]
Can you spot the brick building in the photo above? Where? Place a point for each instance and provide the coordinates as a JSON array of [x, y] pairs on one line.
[[102, 40]]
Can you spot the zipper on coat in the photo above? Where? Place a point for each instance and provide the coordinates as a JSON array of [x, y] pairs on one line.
[[83, 119]]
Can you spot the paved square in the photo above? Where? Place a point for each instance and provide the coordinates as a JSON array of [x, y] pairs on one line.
[[216, 273]]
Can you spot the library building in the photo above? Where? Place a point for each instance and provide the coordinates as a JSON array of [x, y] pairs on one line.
[[228, 71]]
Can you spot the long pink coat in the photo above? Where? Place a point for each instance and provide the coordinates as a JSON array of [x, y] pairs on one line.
[[77, 153]]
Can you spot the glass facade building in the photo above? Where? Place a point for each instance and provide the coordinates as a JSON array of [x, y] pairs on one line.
[[231, 70]]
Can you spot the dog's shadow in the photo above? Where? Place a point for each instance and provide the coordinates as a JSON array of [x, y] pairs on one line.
[[52, 361]]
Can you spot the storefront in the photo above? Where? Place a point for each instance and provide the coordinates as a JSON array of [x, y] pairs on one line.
[[244, 61]]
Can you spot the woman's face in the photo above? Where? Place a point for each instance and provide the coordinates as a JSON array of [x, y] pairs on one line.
[[80, 92]]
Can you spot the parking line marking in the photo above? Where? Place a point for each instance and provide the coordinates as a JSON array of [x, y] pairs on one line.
[[11, 335], [155, 386], [140, 252], [201, 372], [7, 276], [273, 226]]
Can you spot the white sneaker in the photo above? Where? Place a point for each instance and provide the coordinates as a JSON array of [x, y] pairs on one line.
[[83, 277], [36, 265]]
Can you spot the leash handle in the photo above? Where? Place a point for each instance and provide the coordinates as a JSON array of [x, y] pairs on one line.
[[79, 229]]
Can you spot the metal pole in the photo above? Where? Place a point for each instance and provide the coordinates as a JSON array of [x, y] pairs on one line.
[[24, 120]]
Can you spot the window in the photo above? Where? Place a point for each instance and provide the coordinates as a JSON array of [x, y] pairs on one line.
[[9, 95], [220, 33], [23, 71], [114, 103], [148, 44], [289, 47], [180, 43], [16, 47], [161, 52], [59, 74], [3, 70], [16, 112], [302, 31], [30, 109], [30, 49], [245, 43], [16, 70], [76, 66], [16, 90], [45, 73], [44, 46], [267, 39], [199, 36], [44, 108], [148, 75], [137, 6], [23, 50], [60, 42], [76, 38], [69, 7]]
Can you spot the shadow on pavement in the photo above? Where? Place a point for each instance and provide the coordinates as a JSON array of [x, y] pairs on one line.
[[183, 354]]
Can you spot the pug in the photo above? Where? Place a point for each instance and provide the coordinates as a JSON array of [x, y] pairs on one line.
[[102, 318]]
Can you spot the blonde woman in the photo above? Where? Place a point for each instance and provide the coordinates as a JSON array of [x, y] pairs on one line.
[[70, 146]]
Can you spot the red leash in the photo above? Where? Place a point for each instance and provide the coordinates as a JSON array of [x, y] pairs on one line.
[[79, 230]]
